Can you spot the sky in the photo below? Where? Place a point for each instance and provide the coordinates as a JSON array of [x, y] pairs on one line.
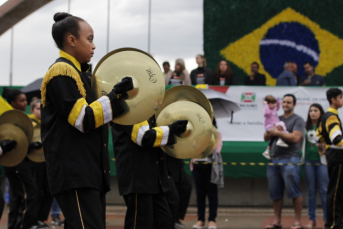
[[176, 32]]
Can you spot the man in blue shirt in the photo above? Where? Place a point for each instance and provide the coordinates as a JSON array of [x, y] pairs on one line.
[[286, 78], [311, 79]]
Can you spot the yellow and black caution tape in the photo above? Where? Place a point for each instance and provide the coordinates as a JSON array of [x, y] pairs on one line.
[[249, 163]]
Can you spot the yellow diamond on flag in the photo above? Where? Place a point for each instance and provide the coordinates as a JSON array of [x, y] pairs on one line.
[[247, 49]]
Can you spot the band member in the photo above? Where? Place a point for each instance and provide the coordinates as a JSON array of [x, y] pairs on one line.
[[142, 173], [44, 198], [74, 126], [183, 186], [23, 189], [5, 146], [330, 132]]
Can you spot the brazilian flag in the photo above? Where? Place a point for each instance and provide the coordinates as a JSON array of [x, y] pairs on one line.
[[272, 32]]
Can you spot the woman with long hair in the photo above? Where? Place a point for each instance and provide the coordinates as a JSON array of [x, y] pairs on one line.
[[315, 173], [224, 75], [23, 191], [180, 74], [204, 171], [202, 74]]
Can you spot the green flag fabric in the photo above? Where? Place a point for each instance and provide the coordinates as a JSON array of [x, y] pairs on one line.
[[272, 32]]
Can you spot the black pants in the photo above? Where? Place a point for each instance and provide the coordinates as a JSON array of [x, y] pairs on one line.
[[2, 202], [23, 195], [44, 198], [147, 211], [83, 208], [204, 187], [335, 196], [184, 189], [173, 200]]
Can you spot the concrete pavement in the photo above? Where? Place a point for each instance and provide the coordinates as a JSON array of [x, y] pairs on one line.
[[239, 218]]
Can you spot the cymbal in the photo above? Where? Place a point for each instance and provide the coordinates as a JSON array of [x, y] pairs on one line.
[[211, 146], [186, 93], [17, 155], [36, 155], [198, 133], [19, 119], [148, 81]]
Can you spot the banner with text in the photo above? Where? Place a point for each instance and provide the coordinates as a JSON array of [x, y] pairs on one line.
[[248, 123]]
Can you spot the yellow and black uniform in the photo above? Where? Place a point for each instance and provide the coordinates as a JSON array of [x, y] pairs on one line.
[[142, 173], [330, 130], [23, 196], [39, 172], [75, 142], [182, 185]]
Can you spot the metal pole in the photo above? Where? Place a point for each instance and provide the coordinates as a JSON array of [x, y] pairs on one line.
[[108, 26], [68, 6], [11, 58], [149, 26]]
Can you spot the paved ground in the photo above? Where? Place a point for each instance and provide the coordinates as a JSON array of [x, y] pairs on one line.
[[239, 218]]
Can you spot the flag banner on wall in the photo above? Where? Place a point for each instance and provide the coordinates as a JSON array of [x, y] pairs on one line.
[[273, 32]]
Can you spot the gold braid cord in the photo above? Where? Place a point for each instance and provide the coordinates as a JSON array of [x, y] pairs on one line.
[[61, 69]]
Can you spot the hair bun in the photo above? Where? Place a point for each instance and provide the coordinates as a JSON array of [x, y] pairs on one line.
[[60, 16], [6, 92]]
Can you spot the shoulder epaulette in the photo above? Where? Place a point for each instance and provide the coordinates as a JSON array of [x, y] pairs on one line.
[[61, 69]]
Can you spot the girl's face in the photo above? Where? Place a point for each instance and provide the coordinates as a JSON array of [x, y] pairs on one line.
[[199, 60], [20, 103], [272, 105], [84, 46], [177, 67], [36, 111], [314, 113], [223, 66]]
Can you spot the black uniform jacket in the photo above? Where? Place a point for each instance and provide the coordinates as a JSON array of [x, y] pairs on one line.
[[208, 75], [73, 133], [140, 162], [330, 129], [175, 166]]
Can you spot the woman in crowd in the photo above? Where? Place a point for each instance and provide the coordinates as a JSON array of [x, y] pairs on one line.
[[224, 75], [208, 176], [180, 75], [23, 188], [316, 173], [202, 74]]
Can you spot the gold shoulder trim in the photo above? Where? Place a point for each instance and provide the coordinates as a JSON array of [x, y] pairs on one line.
[[62, 69], [331, 120]]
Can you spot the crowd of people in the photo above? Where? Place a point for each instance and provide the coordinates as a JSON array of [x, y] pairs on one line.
[[321, 159], [224, 76]]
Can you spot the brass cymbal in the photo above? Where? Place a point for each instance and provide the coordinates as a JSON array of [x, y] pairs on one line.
[[198, 133], [19, 119], [186, 93], [17, 155], [148, 81], [211, 146], [36, 155]]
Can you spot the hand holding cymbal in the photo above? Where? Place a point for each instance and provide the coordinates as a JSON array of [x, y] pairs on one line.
[[121, 88], [178, 127], [7, 145]]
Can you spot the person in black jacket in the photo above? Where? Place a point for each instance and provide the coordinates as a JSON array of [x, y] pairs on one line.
[[23, 189], [255, 77], [142, 173], [183, 188], [74, 126], [202, 74], [6, 146], [224, 76]]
